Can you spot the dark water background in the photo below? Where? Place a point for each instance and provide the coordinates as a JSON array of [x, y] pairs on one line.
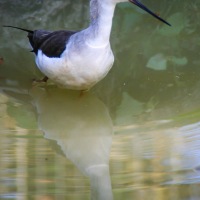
[[137, 131]]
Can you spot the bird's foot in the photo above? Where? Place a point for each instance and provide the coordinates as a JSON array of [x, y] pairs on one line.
[[83, 92], [36, 81], [44, 80]]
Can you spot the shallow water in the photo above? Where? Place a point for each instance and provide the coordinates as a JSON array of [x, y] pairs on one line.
[[135, 135]]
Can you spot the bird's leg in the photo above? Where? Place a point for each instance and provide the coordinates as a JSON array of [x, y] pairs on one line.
[[83, 92], [44, 80]]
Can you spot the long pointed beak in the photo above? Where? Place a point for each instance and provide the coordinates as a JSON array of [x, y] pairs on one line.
[[149, 11]]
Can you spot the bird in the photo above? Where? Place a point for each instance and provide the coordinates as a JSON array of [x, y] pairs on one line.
[[78, 60]]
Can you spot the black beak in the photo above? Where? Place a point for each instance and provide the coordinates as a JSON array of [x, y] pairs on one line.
[[149, 11]]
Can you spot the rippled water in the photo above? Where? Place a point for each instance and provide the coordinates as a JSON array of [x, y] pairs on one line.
[[135, 135]]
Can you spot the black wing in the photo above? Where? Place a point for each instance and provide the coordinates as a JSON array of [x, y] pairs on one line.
[[52, 44]]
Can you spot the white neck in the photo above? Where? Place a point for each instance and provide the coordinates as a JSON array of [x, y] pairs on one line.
[[101, 14]]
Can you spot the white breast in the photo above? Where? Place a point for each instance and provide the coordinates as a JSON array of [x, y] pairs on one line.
[[77, 68]]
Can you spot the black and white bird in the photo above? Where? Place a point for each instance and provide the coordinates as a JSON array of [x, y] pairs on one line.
[[79, 59]]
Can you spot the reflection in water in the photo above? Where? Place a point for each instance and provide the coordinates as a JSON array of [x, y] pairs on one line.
[[82, 127], [162, 156], [155, 160]]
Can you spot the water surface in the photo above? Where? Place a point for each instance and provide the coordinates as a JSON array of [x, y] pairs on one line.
[[135, 135]]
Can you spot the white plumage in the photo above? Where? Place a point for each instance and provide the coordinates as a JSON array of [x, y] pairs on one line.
[[78, 60]]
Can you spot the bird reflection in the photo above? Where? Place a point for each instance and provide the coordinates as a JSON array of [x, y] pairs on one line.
[[82, 127]]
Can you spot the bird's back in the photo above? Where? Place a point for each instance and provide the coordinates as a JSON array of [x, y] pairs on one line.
[[52, 44]]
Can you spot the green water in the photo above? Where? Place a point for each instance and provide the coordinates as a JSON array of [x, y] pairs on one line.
[[135, 135]]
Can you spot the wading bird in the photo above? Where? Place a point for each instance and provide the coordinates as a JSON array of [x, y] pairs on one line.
[[79, 59]]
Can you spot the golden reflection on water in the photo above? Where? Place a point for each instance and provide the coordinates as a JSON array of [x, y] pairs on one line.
[[82, 127], [155, 160]]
